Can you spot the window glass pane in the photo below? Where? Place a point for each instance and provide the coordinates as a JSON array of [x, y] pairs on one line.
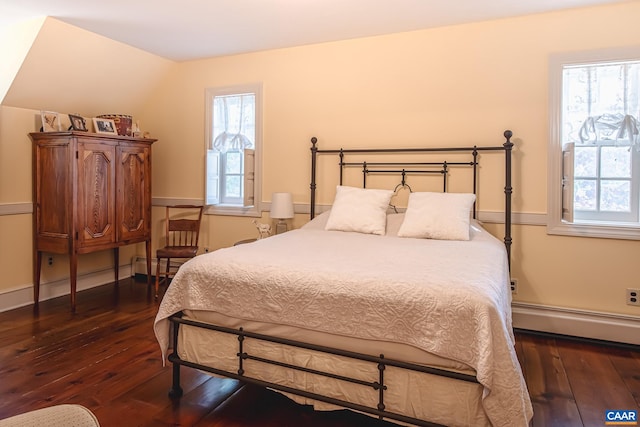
[[585, 192], [575, 102], [615, 196], [607, 89], [591, 90], [234, 125], [615, 162], [233, 186], [233, 162], [586, 162]]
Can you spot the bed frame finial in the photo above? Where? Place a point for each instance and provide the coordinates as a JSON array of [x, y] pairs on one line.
[[508, 134]]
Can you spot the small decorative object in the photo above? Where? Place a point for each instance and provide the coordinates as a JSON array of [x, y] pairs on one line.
[[264, 230], [281, 209], [105, 126], [78, 122], [135, 131], [122, 122], [50, 121]]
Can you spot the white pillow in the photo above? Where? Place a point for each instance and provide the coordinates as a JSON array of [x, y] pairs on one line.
[[443, 216], [359, 209]]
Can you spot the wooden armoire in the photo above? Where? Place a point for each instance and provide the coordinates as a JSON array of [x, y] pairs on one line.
[[91, 192]]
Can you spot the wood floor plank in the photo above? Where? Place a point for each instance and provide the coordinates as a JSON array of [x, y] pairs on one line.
[[627, 363], [549, 388], [194, 406], [587, 366]]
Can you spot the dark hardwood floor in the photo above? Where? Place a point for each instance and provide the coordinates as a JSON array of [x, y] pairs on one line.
[[106, 358]]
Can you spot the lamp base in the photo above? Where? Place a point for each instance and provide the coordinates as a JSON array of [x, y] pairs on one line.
[[281, 227]]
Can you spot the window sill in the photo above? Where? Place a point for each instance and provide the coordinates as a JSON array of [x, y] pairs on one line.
[[629, 231], [251, 211]]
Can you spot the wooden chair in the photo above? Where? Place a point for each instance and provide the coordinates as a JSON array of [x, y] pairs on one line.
[[182, 230]]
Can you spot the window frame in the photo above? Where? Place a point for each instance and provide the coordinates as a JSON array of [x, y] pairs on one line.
[[254, 210], [555, 223]]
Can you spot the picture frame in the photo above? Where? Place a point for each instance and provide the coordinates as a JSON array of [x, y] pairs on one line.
[[106, 126], [77, 122], [50, 121]]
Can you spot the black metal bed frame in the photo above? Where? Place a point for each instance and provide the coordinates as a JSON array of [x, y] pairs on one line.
[[377, 384], [369, 168]]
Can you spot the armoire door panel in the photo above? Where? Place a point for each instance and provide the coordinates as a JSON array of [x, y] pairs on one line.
[[133, 192], [53, 191], [96, 189]]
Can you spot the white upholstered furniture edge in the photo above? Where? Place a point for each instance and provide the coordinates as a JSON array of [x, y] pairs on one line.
[[54, 416]]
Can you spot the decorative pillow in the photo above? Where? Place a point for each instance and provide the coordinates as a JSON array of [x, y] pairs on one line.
[[359, 209], [443, 216]]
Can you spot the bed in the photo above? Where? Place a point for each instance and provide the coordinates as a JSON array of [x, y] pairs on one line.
[[360, 308]]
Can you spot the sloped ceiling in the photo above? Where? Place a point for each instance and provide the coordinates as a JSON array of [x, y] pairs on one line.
[[71, 70], [196, 29], [14, 47]]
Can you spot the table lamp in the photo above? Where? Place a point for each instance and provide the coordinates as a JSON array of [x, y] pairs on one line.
[[281, 209]]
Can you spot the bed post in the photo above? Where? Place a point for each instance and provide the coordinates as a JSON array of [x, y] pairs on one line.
[[314, 153], [475, 179], [508, 146], [175, 391]]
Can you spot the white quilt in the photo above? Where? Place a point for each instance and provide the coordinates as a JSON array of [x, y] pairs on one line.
[[450, 298]]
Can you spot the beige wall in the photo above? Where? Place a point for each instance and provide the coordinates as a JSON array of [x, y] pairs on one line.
[[457, 85]]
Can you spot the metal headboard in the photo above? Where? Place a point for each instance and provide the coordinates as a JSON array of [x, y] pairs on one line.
[[408, 168]]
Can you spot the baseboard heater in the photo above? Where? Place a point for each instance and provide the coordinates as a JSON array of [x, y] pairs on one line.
[[578, 323]]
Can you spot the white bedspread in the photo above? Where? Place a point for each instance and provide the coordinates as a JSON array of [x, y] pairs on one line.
[[449, 298]]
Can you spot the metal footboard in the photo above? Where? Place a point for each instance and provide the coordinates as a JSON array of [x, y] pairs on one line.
[[377, 385]]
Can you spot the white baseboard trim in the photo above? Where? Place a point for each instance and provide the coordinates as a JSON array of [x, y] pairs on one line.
[[140, 265], [23, 296], [578, 323]]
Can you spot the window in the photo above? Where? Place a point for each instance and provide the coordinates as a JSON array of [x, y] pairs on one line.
[[594, 151], [233, 145]]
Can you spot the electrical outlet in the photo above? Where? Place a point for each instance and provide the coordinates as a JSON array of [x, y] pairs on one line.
[[514, 286], [50, 260], [633, 296]]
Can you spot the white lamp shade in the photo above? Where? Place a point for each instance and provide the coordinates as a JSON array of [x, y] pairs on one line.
[[281, 206]]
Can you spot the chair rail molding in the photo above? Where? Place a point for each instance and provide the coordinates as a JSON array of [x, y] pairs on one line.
[[16, 208]]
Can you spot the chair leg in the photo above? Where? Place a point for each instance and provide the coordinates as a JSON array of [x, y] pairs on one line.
[[157, 276]]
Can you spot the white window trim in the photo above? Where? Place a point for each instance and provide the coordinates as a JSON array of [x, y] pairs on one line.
[[235, 210], [555, 224]]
